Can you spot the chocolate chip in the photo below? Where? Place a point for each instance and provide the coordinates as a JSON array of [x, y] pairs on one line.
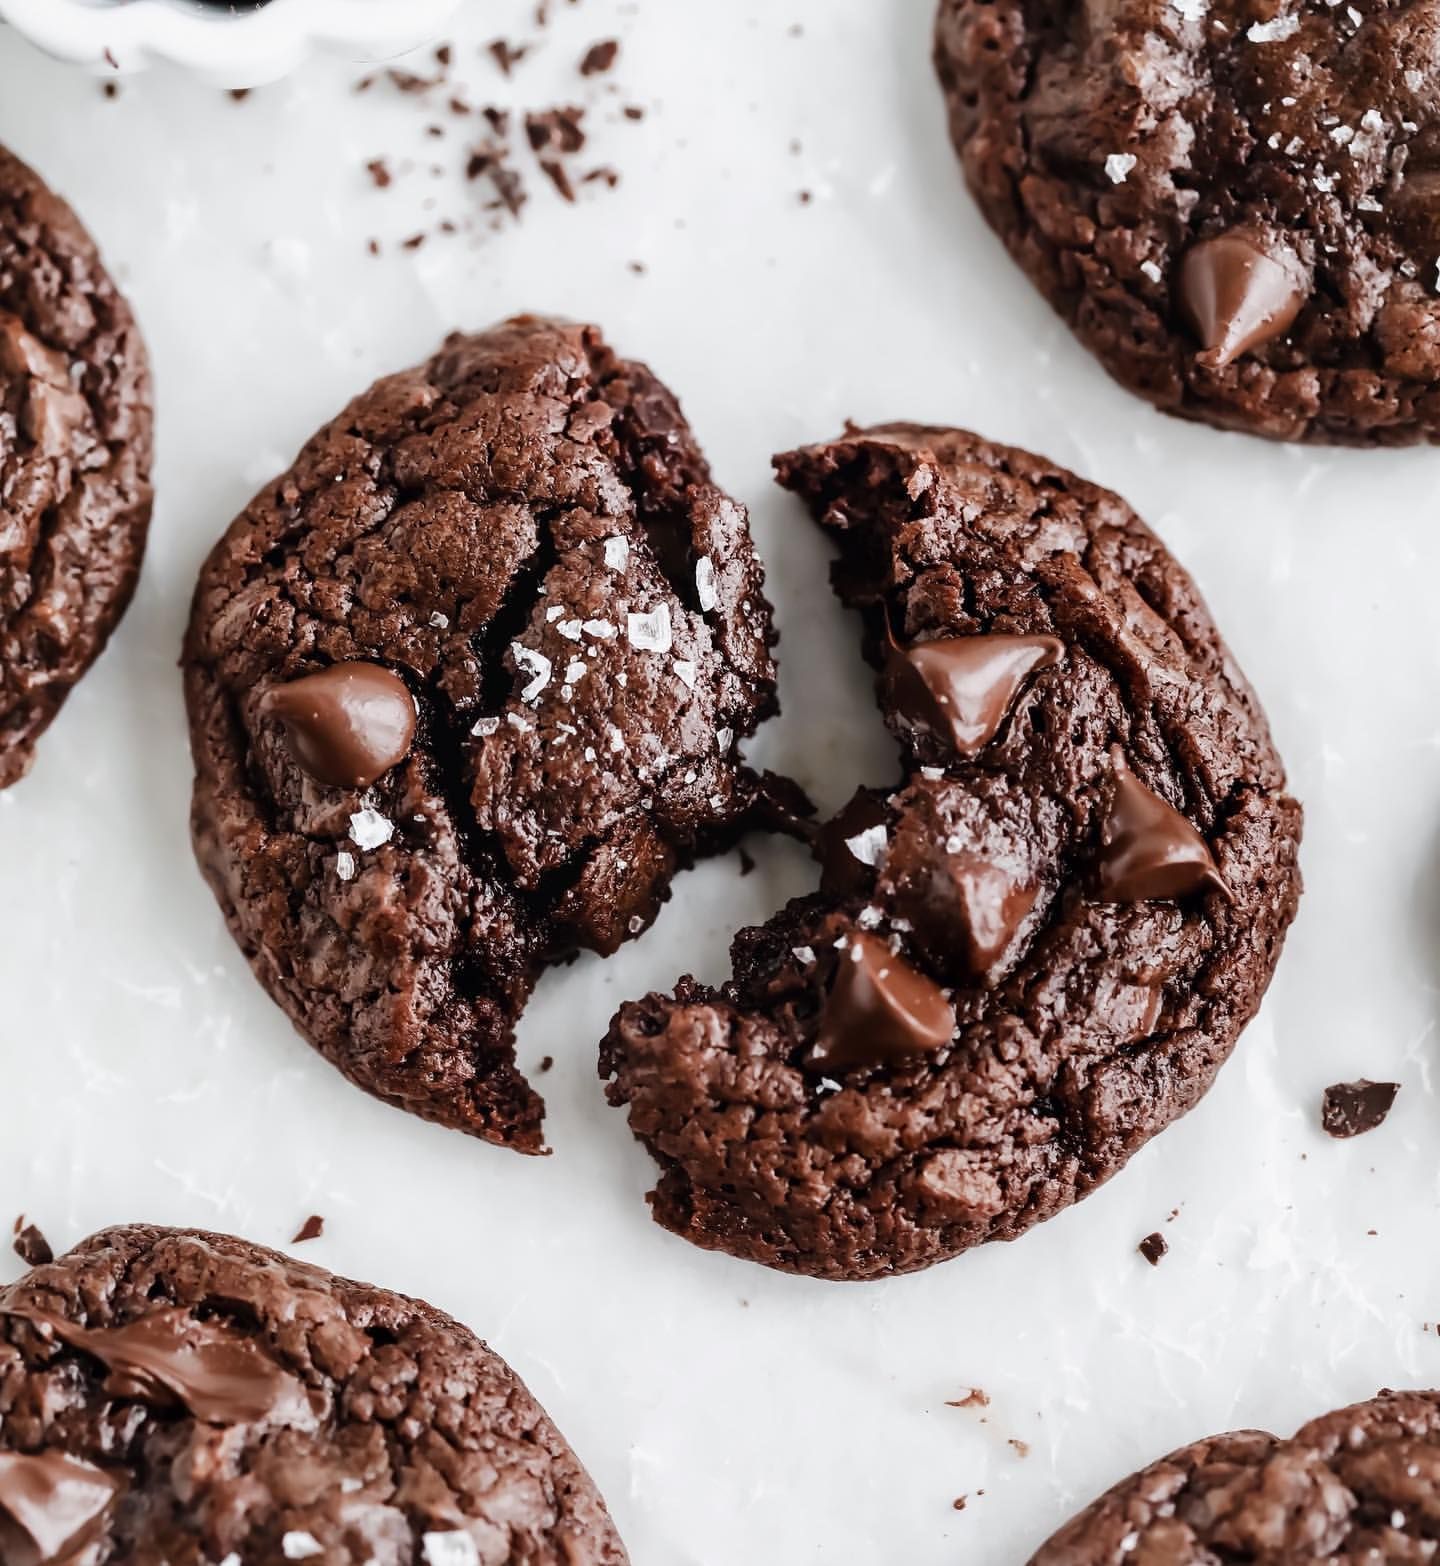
[[348, 724], [1239, 291], [53, 1499], [1149, 851], [879, 1010], [1353, 1108], [1153, 1247], [961, 689], [965, 908]]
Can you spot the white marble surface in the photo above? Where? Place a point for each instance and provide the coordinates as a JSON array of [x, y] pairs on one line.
[[732, 1416]]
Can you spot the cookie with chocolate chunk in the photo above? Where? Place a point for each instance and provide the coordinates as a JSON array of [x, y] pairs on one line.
[[1232, 202], [168, 1395], [1359, 1485], [75, 445], [466, 688], [1038, 948]]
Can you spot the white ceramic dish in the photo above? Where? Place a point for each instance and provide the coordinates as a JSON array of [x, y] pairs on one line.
[[229, 49]]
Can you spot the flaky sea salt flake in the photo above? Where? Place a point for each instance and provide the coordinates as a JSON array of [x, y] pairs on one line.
[[533, 663], [724, 739], [685, 670], [449, 1549], [1277, 30], [369, 829], [575, 671], [617, 553], [705, 589], [1118, 166], [345, 865], [483, 728], [805, 954], [601, 630], [650, 632], [298, 1545], [868, 846]]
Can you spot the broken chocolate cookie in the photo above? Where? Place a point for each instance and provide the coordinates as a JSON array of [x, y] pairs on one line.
[[466, 687], [1033, 953]]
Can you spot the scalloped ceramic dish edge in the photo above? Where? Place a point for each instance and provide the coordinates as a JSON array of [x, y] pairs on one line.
[[229, 50]]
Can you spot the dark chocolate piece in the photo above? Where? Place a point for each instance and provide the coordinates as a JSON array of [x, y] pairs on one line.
[[878, 1010], [962, 688], [1238, 294], [1148, 850], [1353, 1108], [1153, 1247], [55, 1501], [348, 724]]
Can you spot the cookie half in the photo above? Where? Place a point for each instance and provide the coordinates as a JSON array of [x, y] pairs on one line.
[[1359, 1485], [1232, 203], [465, 688], [171, 1395], [1034, 952], [75, 449]]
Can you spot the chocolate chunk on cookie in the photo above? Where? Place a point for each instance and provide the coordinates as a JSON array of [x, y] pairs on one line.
[[1233, 204], [465, 688], [1359, 1485], [168, 1395], [75, 443], [1034, 952]]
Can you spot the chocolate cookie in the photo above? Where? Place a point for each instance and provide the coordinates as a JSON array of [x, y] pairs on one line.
[[465, 689], [1355, 1487], [1232, 202], [75, 439], [1034, 952], [170, 1397]]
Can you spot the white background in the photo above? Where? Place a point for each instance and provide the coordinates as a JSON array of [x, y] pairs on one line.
[[732, 1416]]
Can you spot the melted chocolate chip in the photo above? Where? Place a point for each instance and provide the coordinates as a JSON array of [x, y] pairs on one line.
[[1239, 292], [1353, 1108], [167, 1357], [879, 1010], [1149, 851], [962, 688], [348, 724], [850, 845], [53, 1500], [965, 910]]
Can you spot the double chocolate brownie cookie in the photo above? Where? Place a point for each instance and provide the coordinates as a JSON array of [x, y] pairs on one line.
[[173, 1398], [465, 690], [1357, 1488], [1234, 203], [75, 439], [1034, 952]]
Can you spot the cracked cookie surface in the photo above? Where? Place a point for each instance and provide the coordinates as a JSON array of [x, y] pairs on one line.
[[1356, 1487], [523, 536], [171, 1396], [1234, 203], [75, 447], [1090, 859]]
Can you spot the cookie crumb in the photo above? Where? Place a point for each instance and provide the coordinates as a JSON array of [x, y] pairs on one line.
[[547, 1063], [30, 1245], [1022, 1448], [1153, 1247], [976, 1397], [599, 57], [1353, 1108], [959, 1502], [311, 1229]]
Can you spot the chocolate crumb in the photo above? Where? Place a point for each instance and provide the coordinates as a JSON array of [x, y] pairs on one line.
[[498, 119], [373, 246], [547, 1062], [506, 55], [747, 862], [638, 268], [30, 1245], [1022, 1448], [976, 1397], [554, 171], [599, 57], [558, 127], [239, 94], [110, 89], [413, 243], [444, 54], [633, 111], [959, 1502], [1153, 1247], [311, 1229], [108, 55], [806, 197], [604, 175], [1353, 1108], [379, 172]]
